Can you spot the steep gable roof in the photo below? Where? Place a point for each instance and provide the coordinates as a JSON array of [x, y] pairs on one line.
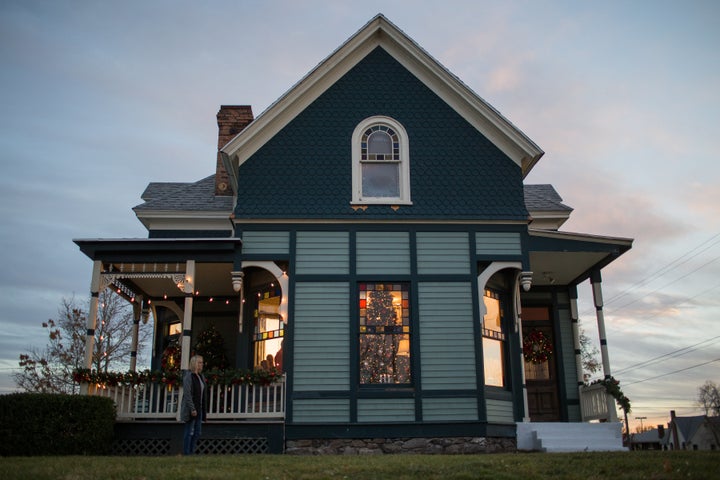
[[380, 32], [689, 425]]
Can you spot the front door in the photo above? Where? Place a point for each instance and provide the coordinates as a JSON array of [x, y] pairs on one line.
[[540, 364]]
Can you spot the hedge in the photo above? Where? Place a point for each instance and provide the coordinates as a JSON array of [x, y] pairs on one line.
[[55, 424]]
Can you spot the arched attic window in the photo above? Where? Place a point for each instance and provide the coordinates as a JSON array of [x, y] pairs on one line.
[[381, 165]]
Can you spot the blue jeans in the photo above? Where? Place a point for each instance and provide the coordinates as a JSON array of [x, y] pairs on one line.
[[193, 428]]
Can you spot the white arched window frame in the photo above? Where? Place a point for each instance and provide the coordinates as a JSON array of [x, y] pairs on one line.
[[397, 193]]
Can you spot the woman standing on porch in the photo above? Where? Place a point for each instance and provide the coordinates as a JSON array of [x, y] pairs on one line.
[[194, 404]]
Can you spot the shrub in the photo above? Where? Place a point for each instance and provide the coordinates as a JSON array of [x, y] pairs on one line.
[[55, 424]]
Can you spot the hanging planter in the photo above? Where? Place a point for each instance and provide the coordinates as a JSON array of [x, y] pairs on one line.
[[536, 347]]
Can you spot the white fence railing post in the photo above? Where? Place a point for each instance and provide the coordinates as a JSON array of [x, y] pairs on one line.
[[161, 401]]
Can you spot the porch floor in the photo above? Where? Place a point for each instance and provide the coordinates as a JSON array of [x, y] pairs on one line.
[[570, 437]]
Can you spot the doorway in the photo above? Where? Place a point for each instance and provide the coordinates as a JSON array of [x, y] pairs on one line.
[[540, 364]]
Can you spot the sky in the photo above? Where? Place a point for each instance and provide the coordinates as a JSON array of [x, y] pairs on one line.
[[100, 98]]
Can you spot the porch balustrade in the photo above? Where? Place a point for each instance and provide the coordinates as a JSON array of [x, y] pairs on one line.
[[161, 401], [596, 403]]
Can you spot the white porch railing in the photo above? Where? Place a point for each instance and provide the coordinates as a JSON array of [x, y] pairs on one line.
[[160, 401], [596, 403], [143, 401]]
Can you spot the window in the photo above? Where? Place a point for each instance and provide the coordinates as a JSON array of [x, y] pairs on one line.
[[384, 333], [268, 330], [381, 171], [174, 328], [493, 340]]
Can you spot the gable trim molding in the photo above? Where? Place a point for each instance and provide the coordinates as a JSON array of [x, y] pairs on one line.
[[380, 32]]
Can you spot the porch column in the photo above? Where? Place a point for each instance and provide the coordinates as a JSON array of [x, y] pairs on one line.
[[189, 289], [137, 312], [522, 278], [596, 282], [91, 322], [575, 320]]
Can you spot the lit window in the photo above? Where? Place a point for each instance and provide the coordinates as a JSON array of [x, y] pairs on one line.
[[384, 333], [493, 340], [381, 170], [268, 330], [175, 328]]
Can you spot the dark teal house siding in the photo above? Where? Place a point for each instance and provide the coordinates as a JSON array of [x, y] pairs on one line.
[[305, 171]]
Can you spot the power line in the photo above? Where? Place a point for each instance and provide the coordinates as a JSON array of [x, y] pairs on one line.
[[681, 260], [664, 286], [663, 270], [672, 373], [666, 356], [683, 302]]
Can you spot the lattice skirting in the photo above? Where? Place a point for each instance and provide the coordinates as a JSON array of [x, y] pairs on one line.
[[142, 446], [229, 446], [206, 446]]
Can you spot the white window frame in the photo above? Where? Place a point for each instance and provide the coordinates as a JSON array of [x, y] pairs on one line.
[[403, 170]]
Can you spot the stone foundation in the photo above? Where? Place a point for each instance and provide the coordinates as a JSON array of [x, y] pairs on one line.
[[379, 446]]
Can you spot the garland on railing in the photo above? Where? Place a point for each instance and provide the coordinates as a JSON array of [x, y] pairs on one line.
[[612, 387], [214, 377]]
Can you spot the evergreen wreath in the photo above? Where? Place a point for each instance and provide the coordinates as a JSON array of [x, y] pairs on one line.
[[536, 347], [170, 361]]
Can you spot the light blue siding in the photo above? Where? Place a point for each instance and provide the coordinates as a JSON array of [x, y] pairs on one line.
[[266, 242], [498, 243], [574, 414], [321, 345], [383, 252], [386, 410], [499, 411], [322, 252], [323, 410], [450, 409], [443, 253], [446, 335]]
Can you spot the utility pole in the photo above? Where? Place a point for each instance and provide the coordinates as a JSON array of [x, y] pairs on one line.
[[641, 422]]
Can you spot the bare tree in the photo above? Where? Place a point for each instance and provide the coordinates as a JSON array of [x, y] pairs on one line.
[[50, 370], [588, 353], [709, 398]]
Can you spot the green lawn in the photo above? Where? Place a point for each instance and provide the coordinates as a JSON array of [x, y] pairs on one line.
[[584, 466]]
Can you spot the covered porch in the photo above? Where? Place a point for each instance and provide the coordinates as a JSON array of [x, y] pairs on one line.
[[186, 287], [560, 262]]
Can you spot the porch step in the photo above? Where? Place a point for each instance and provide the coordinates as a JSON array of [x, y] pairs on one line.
[[570, 437]]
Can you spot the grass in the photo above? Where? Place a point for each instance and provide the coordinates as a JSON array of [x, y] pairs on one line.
[[584, 466]]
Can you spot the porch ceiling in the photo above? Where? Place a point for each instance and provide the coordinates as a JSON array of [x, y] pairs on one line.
[[211, 279], [562, 268], [566, 258]]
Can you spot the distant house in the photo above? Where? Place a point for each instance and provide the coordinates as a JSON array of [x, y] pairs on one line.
[[370, 234], [651, 439], [694, 433]]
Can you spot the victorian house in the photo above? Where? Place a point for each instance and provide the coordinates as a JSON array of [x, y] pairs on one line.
[[371, 237]]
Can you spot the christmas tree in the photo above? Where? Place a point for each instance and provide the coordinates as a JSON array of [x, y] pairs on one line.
[[379, 360], [211, 346]]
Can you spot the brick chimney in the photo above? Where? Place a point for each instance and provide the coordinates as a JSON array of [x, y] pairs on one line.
[[231, 120]]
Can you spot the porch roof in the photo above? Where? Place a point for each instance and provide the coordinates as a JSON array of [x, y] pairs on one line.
[[567, 258], [160, 249]]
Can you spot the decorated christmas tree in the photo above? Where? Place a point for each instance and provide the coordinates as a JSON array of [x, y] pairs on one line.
[[379, 361], [211, 346]]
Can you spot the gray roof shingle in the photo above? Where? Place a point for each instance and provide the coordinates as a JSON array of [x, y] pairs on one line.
[[544, 197], [197, 196], [200, 196]]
